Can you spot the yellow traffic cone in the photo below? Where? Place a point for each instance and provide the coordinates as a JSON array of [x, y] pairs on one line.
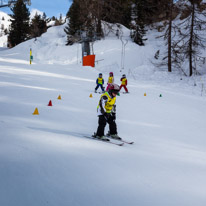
[[145, 94], [36, 112], [59, 97], [90, 95]]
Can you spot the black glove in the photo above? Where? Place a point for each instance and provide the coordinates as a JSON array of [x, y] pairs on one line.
[[107, 116], [113, 116]]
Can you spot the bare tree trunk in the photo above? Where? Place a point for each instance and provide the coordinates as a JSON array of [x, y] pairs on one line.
[[191, 38], [170, 38]]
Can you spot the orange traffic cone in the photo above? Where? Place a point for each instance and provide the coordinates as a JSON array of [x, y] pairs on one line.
[[145, 94], [59, 97], [90, 95], [50, 103], [36, 112]]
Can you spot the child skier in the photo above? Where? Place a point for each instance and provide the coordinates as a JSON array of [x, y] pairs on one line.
[[124, 83], [106, 112], [110, 80], [100, 83]]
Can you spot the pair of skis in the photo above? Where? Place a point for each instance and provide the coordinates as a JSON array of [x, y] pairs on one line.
[[99, 92], [109, 139], [125, 92]]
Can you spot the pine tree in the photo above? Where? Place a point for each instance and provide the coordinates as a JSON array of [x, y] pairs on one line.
[[127, 12], [139, 30], [38, 26], [53, 18], [20, 29], [155, 10], [59, 21], [74, 21], [44, 16], [117, 11], [87, 16]]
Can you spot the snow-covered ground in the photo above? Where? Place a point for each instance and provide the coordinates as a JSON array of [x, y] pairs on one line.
[[4, 25], [5, 22], [46, 160]]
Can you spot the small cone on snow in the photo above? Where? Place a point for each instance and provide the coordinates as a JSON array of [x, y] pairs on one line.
[[160, 95], [145, 94], [59, 97], [90, 95], [50, 103], [36, 112]]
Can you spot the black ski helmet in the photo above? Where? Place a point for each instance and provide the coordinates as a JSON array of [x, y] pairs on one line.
[[114, 88], [124, 75], [100, 74]]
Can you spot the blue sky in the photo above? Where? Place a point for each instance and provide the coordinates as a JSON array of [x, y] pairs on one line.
[[50, 7]]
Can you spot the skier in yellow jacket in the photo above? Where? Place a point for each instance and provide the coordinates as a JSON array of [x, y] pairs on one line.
[[110, 80], [100, 83], [106, 112]]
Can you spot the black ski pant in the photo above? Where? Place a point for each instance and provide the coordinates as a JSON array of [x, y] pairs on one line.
[[102, 123], [99, 85]]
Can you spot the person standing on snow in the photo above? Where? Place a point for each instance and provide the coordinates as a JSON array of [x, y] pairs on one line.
[[100, 83], [124, 83], [110, 80], [106, 112]]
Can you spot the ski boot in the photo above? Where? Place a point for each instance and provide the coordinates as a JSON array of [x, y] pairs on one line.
[[115, 136], [104, 138]]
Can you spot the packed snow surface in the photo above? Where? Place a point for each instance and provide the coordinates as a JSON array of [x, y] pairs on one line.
[[46, 160]]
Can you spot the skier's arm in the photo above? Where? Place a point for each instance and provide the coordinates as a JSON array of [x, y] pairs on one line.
[[114, 108], [97, 81], [102, 103], [114, 112]]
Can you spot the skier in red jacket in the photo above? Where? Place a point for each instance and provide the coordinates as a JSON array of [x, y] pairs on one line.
[[124, 83]]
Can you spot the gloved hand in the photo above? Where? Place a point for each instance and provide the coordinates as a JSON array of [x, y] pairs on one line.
[[107, 116], [113, 116], [114, 109]]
